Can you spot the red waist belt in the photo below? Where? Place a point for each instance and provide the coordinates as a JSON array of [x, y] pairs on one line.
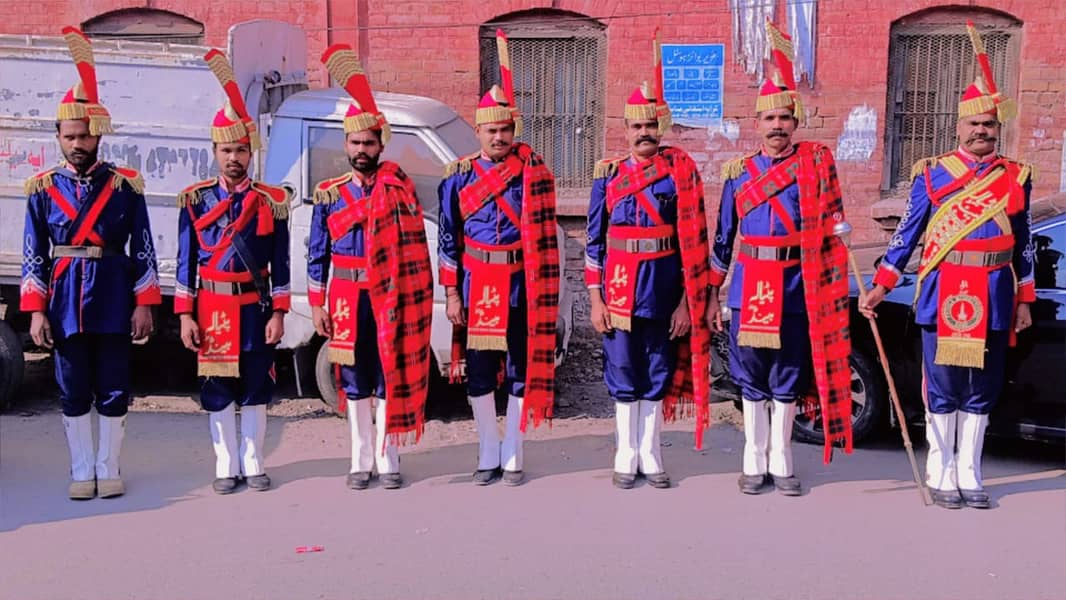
[[219, 312], [627, 247], [765, 259], [490, 268], [350, 275]]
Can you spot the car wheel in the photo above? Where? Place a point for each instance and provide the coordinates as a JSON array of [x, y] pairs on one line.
[[868, 403], [11, 364]]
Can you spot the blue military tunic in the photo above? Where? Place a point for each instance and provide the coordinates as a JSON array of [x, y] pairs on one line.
[[489, 225], [764, 373], [951, 388], [365, 378], [89, 301], [637, 364], [255, 385]]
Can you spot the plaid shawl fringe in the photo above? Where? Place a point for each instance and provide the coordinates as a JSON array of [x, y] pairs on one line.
[[401, 294], [825, 280]]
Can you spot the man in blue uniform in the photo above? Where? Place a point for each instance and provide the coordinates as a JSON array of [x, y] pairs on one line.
[[367, 224], [975, 283], [640, 284], [499, 259], [86, 295], [784, 201], [232, 289]]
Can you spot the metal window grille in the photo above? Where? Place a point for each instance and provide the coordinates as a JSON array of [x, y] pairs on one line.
[[930, 66], [559, 88]]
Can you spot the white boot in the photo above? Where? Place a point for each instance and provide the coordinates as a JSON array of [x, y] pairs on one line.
[[361, 427], [940, 468], [80, 441], [627, 425], [971, 442], [756, 436], [648, 434], [386, 455], [108, 476], [224, 439], [782, 414], [253, 435], [511, 447], [484, 409]]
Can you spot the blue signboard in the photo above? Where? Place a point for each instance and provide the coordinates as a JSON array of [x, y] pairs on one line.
[[693, 82]]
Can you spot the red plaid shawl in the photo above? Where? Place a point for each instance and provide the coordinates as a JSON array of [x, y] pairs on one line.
[[690, 386], [540, 252], [401, 293], [825, 284]]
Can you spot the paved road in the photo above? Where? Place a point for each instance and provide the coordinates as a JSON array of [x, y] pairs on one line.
[[860, 531]]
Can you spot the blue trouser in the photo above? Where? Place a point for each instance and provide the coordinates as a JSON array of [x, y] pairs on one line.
[[254, 387], [767, 373], [365, 378], [483, 366], [94, 368], [949, 389], [639, 364]]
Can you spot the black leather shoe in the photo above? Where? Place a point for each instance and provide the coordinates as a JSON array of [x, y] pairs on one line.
[[513, 478], [623, 481], [753, 484], [659, 481], [487, 476], [975, 498], [391, 481], [358, 481], [788, 486], [259, 483], [947, 498], [225, 485]]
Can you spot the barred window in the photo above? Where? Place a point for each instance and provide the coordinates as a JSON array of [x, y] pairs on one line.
[[931, 63], [145, 25], [558, 60]]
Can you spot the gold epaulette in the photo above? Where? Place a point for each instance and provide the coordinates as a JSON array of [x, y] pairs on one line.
[[1026, 171], [191, 194], [38, 183], [327, 191], [919, 167], [606, 167], [734, 167], [130, 177], [463, 165], [278, 198]]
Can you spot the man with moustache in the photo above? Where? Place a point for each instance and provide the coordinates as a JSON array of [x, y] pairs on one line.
[[646, 271], [232, 289], [367, 224], [975, 283], [86, 296], [499, 264], [789, 294]]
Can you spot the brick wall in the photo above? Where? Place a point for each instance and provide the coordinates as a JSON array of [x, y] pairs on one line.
[[430, 47]]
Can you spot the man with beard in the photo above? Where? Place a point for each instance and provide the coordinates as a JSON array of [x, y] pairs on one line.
[[499, 264], [233, 238], [368, 225], [646, 270], [86, 296], [975, 283], [789, 294]]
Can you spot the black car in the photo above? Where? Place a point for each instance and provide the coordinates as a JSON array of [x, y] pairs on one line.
[[1033, 403]]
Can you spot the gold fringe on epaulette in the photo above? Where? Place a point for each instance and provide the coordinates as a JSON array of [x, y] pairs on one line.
[[1028, 171], [732, 168], [326, 196], [463, 165], [919, 167], [188, 197], [38, 183], [136, 183], [280, 209], [605, 168]]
